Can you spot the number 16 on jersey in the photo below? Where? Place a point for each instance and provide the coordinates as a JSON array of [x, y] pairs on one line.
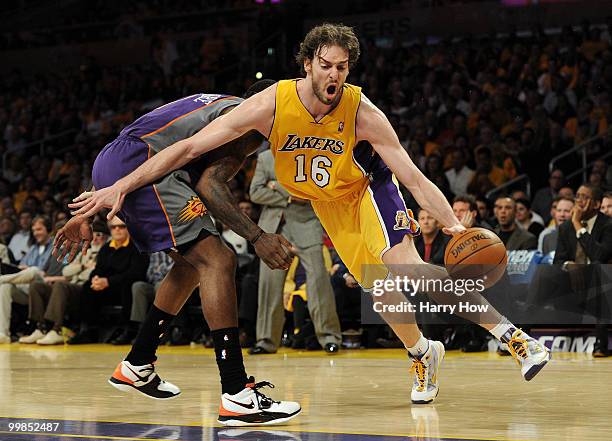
[[318, 170]]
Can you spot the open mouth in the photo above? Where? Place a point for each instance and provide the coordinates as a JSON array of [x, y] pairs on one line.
[[331, 89]]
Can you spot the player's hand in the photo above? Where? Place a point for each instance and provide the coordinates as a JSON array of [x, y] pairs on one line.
[[468, 220], [455, 229], [350, 281], [90, 203], [67, 240], [276, 251]]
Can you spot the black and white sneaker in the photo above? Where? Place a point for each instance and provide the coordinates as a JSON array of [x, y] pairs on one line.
[[143, 379], [250, 407]]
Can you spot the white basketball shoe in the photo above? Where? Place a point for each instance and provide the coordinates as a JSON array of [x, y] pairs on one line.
[[426, 369], [143, 379], [530, 354], [250, 407]]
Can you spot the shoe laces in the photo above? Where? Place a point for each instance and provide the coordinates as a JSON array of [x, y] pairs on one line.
[[418, 368], [264, 401], [147, 370], [518, 346]]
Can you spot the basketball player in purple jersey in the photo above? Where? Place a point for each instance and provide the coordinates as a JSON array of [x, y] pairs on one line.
[[169, 215]]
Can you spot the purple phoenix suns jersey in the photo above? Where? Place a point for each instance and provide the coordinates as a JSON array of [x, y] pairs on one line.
[[179, 119]]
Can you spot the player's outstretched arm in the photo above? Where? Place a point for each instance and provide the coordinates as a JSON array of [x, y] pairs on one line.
[[374, 127], [273, 249], [256, 113]]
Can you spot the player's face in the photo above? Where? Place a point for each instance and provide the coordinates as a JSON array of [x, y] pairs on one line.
[[563, 211], [328, 71]]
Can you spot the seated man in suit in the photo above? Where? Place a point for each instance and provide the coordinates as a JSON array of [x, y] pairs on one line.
[[508, 231], [585, 239], [547, 242]]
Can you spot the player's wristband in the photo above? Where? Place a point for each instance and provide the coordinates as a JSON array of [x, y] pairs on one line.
[[257, 236]]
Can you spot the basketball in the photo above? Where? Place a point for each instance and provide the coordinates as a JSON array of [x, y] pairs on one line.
[[476, 253]]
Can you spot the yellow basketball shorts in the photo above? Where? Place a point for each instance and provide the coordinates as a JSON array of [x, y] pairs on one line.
[[367, 223]]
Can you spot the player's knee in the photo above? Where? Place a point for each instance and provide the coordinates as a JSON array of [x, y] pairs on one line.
[[227, 258]]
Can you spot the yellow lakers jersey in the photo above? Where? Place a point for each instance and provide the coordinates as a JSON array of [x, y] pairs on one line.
[[315, 160]]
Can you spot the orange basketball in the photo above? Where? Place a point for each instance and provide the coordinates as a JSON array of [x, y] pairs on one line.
[[476, 253]]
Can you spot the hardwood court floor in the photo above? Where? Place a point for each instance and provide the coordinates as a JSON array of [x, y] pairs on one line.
[[344, 397]]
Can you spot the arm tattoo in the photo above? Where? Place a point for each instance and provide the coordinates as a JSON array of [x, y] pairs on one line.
[[218, 198]]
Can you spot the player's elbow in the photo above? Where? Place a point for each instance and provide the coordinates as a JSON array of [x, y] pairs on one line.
[[190, 150]]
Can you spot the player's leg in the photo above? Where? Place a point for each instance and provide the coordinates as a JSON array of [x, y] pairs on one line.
[[137, 371], [403, 260], [241, 402]]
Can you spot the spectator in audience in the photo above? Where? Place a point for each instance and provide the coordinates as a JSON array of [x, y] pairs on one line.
[[484, 211], [547, 241], [485, 166], [567, 192], [13, 287], [583, 240], [606, 204], [118, 266], [21, 242], [143, 295], [431, 243], [508, 231], [30, 188], [466, 210], [7, 230], [526, 219], [51, 299], [543, 198], [460, 175], [294, 219]]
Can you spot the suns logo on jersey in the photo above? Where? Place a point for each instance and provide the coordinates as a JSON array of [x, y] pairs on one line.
[[193, 209], [206, 98], [404, 220]]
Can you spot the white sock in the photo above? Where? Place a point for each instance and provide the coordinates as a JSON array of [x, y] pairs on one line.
[[420, 347], [503, 330]]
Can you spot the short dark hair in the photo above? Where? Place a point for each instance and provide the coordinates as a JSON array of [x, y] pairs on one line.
[[45, 221], [505, 196], [607, 194], [257, 87], [325, 35], [562, 198], [467, 199], [525, 202], [595, 190]]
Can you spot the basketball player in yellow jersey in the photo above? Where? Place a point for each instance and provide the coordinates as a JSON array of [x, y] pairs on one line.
[[315, 126]]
